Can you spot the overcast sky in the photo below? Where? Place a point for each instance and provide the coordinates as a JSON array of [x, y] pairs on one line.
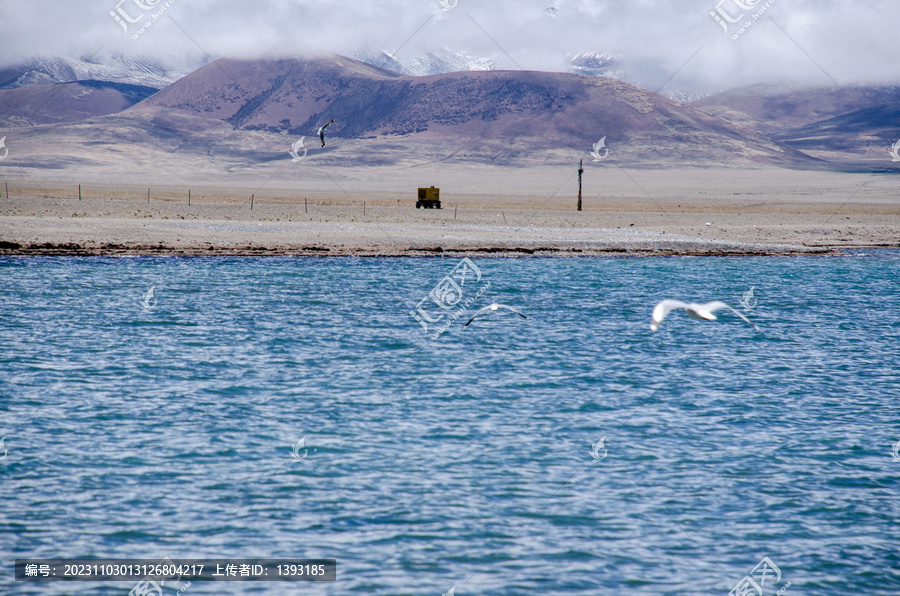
[[851, 41]]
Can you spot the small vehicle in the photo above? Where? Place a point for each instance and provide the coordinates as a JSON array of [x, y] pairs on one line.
[[429, 198]]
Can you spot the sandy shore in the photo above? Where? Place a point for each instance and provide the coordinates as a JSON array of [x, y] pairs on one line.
[[40, 219]]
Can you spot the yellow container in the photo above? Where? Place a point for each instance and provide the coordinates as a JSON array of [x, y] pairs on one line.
[[429, 198]]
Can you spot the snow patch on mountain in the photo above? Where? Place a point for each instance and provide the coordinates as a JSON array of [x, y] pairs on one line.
[[606, 64], [601, 64], [432, 63], [115, 68]]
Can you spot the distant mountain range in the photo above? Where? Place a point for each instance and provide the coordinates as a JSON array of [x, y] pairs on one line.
[[446, 104], [844, 126], [67, 102], [109, 84], [520, 113], [53, 90], [114, 69], [776, 109]]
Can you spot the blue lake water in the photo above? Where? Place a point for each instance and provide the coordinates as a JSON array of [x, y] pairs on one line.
[[465, 460]]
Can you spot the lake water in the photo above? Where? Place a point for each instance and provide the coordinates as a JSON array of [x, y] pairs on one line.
[[464, 458]]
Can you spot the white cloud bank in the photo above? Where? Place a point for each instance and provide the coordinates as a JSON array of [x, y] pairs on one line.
[[848, 41]]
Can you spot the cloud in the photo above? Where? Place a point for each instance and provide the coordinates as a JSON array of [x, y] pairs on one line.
[[797, 41]]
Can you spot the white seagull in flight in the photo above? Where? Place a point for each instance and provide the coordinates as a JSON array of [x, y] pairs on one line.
[[494, 307], [321, 132], [703, 312]]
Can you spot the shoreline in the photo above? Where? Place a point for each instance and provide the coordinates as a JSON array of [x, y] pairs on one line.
[[119, 250], [469, 225]]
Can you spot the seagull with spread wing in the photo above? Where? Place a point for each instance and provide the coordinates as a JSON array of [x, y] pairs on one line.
[[494, 307], [702, 312], [321, 132]]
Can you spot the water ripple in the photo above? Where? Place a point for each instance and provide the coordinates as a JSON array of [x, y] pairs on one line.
[[464, 460]]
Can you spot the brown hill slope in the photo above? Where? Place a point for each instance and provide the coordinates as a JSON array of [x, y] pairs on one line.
[[66, 102], [776, 109], [507, 115]]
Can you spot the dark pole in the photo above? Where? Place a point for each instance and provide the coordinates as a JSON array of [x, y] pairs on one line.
[[148, 195], [305, 207], [189, 197], [580, 172], [79, 192], [251, 202]]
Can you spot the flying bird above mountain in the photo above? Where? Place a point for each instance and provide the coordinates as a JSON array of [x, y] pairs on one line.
[[321, 132]]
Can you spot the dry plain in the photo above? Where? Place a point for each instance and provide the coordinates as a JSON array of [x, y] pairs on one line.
[[511, 211]]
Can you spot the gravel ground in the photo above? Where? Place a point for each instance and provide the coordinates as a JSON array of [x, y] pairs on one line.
[[45, 221]]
